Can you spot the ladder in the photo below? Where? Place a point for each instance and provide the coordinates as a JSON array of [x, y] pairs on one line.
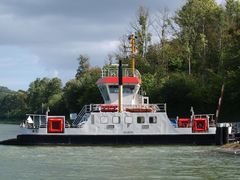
[[82, 115]]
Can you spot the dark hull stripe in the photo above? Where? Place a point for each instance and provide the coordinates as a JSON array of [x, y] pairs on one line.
[[193, 139]]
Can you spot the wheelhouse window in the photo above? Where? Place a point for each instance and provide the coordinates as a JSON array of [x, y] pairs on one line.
[[113, 88], [104, 92], [140, 120], [127, 89], [153, 119]]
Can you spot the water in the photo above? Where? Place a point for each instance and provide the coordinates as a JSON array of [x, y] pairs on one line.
[[106, 162]]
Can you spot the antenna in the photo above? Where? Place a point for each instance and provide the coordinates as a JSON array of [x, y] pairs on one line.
[[132, 38]]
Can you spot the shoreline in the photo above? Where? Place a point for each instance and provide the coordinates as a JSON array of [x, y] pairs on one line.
[[9, 122], [231, 148]]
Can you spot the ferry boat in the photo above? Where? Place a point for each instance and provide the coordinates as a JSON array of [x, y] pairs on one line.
[[126, 117]]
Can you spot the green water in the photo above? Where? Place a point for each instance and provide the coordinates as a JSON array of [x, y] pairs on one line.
[[106, 162]]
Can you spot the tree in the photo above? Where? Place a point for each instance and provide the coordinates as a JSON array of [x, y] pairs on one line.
[[4, 91], [83, 65], [43, 93], [231, 63], [141, 28], [162, 26], [14, 106], [198, 26], [83, 90], [232, 58]]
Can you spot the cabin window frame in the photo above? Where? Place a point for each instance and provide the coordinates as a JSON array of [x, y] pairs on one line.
[[127, 89], [116, 120], [153, 121], [104, 120], [128, 120], [140, 119], [104, 91]]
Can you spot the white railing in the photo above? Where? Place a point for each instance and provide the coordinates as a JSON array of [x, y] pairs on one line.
[[113, 72], [80, 117], [39, 121], [87, 109], [209, 116], [154, 107]]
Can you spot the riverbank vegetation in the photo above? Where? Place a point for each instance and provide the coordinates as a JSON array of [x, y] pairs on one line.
[[184, 59]]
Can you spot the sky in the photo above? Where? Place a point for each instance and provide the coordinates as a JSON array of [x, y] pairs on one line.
[[43, 38]]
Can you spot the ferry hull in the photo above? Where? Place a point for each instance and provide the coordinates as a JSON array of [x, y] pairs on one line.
[[187, 139]]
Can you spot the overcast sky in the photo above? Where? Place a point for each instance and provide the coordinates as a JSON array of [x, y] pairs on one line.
[[43, 38]]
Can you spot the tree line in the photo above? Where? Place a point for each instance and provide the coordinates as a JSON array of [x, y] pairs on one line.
[[46, 93], [184, 59]]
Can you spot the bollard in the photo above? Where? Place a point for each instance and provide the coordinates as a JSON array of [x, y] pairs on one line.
[[219, 136], [225, 135]]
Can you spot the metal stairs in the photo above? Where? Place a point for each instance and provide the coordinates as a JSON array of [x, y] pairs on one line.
[[82, 116]]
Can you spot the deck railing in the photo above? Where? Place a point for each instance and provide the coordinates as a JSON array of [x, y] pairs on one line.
[[113, 72], [80, 117], [39, 121], [212, 122], [87, 109]]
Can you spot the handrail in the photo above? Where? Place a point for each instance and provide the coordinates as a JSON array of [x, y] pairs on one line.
[[87, 109], [80, 116], [212, 121], [161, 107], [113, 72], [39, 120]]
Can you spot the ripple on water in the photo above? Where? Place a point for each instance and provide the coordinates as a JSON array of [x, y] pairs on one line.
[[121, 162]]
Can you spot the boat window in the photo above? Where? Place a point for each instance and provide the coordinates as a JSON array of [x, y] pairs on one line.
[[116, 120], [128, 89], [140, 120], [104, 92], [104, 120], [113, 88], [128, 120], [153, 119]]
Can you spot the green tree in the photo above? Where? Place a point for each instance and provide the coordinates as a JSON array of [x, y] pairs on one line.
[[198, 27], [43, 93], [4, 91], [83, 90], [83, 65], [14, 106], [231, 63], [141, 28]]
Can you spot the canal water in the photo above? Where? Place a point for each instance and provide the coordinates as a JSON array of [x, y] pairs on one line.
[[113, 162]]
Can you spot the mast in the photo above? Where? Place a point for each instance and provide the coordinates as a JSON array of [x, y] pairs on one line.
[[132, 39], [120, 88]]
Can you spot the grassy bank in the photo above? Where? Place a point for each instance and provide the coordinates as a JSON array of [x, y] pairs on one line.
[[10, 121]]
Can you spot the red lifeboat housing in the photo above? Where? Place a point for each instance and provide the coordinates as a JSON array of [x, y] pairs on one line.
[[184, 122], [55, 124], [200, 125]]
